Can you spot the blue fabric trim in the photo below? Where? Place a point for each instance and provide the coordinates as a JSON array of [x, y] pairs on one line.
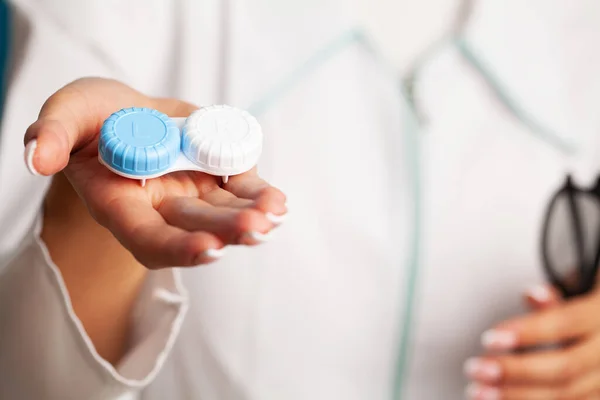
[[547, 134], [317, 60], [5, 28], [411, 133]]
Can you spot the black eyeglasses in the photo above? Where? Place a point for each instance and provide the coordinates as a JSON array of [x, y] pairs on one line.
[[571, 239]]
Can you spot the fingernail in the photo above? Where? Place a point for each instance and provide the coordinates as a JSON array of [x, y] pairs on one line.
[[254, 237], [476, 368], [259, 237], [29, 152], [475, 391], [210, 254], [276, 219], [539, 293], [499, 340]]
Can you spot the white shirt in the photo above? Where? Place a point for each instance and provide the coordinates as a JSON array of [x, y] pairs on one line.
[[317, 313]]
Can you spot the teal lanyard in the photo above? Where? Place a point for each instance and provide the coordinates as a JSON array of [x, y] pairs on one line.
[[293, 78], [411, 135], [412, 128], [535, 127]]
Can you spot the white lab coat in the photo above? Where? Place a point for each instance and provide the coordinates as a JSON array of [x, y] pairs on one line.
[[317, 312]]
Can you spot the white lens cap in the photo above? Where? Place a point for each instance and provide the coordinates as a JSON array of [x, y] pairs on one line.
[[222, 140]]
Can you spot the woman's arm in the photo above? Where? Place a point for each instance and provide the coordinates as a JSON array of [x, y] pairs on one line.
[[91, 304], [103, 279]]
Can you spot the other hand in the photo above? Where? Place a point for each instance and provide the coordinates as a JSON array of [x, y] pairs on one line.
[[567, 368]]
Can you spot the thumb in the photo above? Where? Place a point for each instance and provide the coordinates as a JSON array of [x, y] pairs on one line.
[[542, 296], [71, 118]]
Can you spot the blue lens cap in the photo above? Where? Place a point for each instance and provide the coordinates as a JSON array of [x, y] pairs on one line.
[[139, 142]]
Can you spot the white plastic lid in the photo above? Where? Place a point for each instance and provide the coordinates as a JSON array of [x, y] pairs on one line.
[[222, 140]]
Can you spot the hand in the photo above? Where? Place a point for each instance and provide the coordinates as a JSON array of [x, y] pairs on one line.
[[568, 370], [180, 219]]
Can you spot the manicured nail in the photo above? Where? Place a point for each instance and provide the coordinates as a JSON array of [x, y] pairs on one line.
[[276, 219], [499, 340], [259, 237], [475, 391], [254, 237], [210, 254], [539, 293], [476, 368], [29, 152]]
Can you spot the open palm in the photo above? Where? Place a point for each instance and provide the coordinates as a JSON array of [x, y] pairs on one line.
[[180, 219]]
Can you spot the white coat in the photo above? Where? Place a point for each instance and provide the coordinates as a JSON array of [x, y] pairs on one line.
[[320, 311]]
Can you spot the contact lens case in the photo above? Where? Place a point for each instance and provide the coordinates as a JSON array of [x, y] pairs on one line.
[[142, 143]]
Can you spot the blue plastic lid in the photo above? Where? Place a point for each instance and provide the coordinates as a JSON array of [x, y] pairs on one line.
[[139, 141]]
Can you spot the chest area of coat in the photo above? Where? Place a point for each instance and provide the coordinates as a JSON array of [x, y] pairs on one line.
[[486, 193]]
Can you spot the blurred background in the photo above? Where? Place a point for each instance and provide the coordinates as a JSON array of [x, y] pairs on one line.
[[403, 28]]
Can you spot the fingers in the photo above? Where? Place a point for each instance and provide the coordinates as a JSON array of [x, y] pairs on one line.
[[48, 147], [586, 387], [231, 225], [156, 244], [555, 325], [72, 117], [566, 371], [537, 368], [222, 198], [266, 198]]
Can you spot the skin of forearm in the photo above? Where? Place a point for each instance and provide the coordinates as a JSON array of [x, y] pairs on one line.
[[103, 279]]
